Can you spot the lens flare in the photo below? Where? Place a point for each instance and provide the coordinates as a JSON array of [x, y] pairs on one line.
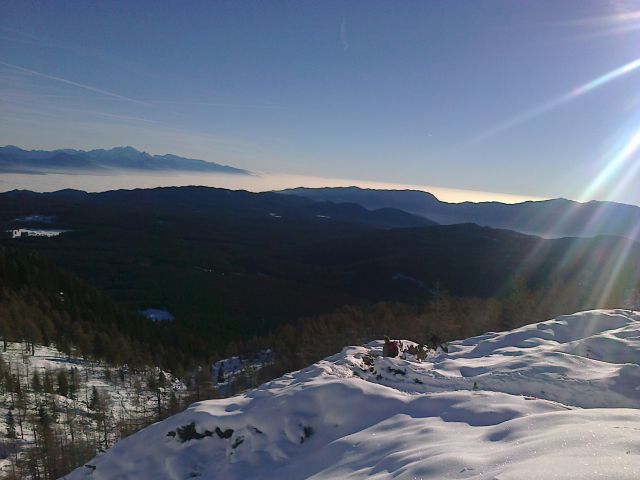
[[606, 290], [620, 168], [613, 276], [601, 286], [603, 79], [560, 100], [612, 273]]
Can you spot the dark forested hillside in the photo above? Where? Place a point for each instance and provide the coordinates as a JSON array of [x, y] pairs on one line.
[[220, 260], [230, 265], [477, 261], [42, 304]]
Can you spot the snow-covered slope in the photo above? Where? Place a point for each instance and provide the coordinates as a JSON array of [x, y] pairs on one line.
[[126, 400], [555, 400]]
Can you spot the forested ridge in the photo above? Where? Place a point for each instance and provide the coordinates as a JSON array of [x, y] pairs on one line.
[[231, 265], [42, 304], [438, 319], [78, 371]]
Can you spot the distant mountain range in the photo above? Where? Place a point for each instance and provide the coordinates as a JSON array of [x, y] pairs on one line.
[[16, 160], [549, 218]]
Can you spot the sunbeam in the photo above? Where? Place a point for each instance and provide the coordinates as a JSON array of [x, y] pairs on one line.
[[560, 100], [616, 275], [599, 285], [616, 167], [618, 173]]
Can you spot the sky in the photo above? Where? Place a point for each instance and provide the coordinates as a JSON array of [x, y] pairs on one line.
[[534, 99]]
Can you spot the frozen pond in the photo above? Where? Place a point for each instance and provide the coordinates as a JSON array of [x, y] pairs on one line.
[[158, 314]]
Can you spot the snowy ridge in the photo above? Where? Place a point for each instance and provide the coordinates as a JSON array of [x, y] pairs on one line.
[[542, 401], [587, 360]]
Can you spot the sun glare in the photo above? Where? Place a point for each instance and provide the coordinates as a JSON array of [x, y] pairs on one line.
[[618, 172], [560, 100]]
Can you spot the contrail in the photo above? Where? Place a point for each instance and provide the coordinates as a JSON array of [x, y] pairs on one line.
[[343, 34], [75, 84], [218, 104]]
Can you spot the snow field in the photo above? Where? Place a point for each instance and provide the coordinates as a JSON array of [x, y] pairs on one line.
[[554, 400]]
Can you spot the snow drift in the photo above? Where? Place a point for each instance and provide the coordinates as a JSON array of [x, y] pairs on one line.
[[554, 400]]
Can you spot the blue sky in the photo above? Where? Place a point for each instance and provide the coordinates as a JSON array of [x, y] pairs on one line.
[[461, 94]]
